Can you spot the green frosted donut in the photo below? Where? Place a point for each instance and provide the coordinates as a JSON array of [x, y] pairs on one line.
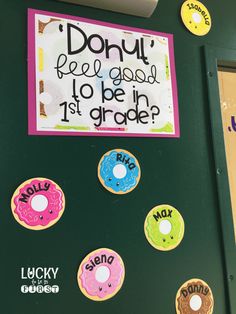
[[164, 227]]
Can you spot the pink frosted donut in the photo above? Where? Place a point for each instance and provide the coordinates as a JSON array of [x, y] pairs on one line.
[[38, 203], [101, 274]]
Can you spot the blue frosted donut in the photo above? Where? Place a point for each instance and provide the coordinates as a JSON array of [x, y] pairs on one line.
[[127, 180]]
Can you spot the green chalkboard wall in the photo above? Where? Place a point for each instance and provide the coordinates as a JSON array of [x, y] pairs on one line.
[[179, 172]]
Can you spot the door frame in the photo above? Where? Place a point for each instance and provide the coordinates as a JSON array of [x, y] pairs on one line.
[[214, 58]]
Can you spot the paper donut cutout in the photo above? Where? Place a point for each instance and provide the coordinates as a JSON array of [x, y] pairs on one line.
[[46, 23], [49, 98], [164, 227], [101, 274], [119, 171], [38, 203], [196, 17], [194, 297]]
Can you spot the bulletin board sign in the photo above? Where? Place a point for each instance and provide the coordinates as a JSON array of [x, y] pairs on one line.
[[91, 78]]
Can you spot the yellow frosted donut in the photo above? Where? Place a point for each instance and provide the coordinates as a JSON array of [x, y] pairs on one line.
[[196, 17]]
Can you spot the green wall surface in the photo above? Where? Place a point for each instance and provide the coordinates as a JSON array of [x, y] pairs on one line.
[[179, 172]]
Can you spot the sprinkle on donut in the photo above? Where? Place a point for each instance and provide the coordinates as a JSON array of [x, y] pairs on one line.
[[194, 297], [38, 203], [119, 171], [101, 274]]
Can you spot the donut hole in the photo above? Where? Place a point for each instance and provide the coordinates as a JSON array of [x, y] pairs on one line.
[[195, 302], [196, 17], [165, 226], [119, 171], [39, 203], [45, 98], [102, 274], [45, 19]]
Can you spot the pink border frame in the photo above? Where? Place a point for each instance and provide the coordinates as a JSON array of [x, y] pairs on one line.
[[32, 127]]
